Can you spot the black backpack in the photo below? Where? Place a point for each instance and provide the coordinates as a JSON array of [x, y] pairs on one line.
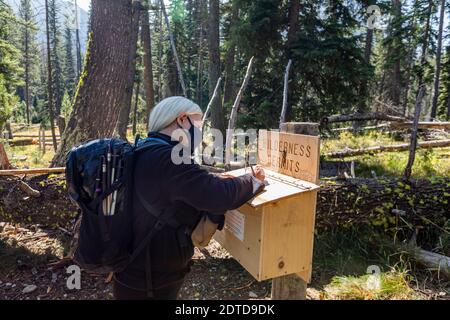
[[99, 176]]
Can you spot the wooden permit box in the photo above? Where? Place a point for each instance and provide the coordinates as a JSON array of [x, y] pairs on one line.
[[272, 234]]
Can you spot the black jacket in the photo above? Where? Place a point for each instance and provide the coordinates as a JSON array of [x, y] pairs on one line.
[[187, 189]]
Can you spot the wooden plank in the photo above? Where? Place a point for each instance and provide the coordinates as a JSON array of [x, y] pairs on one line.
[[278, 186], [248, 251], [32, 171], [288, 235], [290, 154]]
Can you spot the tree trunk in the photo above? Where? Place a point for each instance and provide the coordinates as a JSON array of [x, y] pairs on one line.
[[160, 49], [413, 145], [217, 117], [124, 115], [363, 92], [199, 87], [77, 39], [294, 12], [438, 62], [102, 89], [148, 68], [136, 100], [174, 48], [27, 72], [229, 86], [393, 81], [50, 79]]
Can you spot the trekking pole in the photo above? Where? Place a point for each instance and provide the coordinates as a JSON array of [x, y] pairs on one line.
[[108, 177], [119, 175], [103, 182], [113, 173]]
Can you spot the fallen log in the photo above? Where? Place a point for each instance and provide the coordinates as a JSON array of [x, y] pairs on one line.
[[432, 261], [420, 125], [15, 172], [361, 117], [398, 126], [29, 190], [31, 136], [398, 147], [377, 127]]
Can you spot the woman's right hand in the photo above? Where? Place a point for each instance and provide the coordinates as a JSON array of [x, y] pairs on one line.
[[259, 173]]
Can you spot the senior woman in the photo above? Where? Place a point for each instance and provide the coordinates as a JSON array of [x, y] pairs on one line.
[[184, 189]]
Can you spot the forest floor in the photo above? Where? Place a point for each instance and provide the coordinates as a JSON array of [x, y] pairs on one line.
[[27, 272], [341, 257]]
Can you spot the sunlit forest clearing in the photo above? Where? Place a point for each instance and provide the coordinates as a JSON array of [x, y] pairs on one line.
[[377, 96]]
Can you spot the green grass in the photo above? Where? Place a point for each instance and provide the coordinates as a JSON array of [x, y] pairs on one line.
[[433, 162], [391, 285], [343, 260], [29, 156]]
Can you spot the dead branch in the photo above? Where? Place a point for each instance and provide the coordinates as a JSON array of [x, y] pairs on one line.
[[234, 110], [15, 172], [361, 117], [285, 93], [398, 147]]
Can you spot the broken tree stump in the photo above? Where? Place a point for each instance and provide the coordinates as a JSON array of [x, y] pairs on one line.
[[4, 161]]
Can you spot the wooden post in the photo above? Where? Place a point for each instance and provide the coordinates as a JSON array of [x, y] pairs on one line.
[[293, 287]]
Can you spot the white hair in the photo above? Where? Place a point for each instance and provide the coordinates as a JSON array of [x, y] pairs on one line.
[[167, 110]]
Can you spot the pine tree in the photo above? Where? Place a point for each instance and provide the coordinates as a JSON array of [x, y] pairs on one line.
[[29, 49], [443, 108], [10, 70], [55, 53], [69, 61]]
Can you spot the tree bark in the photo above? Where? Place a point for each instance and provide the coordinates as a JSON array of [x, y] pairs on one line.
[[136, 100], [199, 86], [393, 81], [27, 70], [229, 86], [77, 40], [174, 48], [294, 12], [217, 116], [102, 88], [124, 115], [50, 80], [438, 62], [148, 68]]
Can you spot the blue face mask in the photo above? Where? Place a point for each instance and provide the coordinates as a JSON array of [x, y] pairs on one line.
[[195, 135]]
